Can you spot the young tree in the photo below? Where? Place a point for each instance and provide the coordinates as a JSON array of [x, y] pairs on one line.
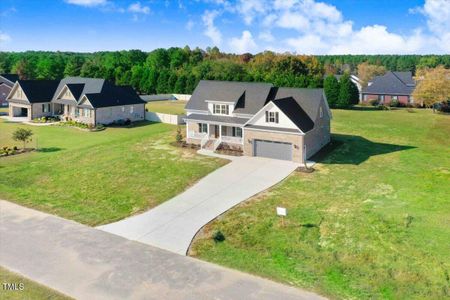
[[22, 135], [367, 71], [331, 88], [433, 86]]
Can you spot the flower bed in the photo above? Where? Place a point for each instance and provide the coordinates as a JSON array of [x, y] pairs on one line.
[[8, 151], [83, 126], [46, 120]]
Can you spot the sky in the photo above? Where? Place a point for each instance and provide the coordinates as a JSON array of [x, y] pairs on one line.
[[239, 26]]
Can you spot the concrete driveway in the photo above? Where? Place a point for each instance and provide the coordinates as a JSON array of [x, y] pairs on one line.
[[173, 224], [86, 263]]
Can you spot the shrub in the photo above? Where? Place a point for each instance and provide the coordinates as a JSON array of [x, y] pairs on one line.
[[394, 103], [383, 107], [179, 136], [218, 236], [373, 102]]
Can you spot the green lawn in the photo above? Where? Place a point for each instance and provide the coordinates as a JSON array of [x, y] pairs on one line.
[[372, 222], [99, 177], [3, 109], [174, 107], [31, 289]]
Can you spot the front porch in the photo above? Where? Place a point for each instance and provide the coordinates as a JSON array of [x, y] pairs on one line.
[[211, 136]]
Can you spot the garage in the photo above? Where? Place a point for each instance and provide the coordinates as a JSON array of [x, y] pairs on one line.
[[19, 111], [273, 149]]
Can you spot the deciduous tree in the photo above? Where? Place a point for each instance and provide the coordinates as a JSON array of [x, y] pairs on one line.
[[433, 86]]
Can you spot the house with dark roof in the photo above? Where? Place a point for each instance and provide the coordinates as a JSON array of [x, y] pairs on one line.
[[6, 83], [390, 86], [86, 100], [258, 119]]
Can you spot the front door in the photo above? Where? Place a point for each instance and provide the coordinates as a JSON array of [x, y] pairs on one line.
[[216, 131]]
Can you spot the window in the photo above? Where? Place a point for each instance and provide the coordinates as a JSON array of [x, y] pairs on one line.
[[202, 127], [131, 109], [271, 117], [237, 131], [87, 113], [394, 98], [220, 109], [46, 107], [123, 108], [321, 112]]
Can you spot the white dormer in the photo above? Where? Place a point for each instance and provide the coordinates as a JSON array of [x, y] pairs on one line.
[[17, 93], [220, 108], [65, 94]]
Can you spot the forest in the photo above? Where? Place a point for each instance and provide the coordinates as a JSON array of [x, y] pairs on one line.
[[178, 70]]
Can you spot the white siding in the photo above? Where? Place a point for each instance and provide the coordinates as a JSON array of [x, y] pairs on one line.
[[283, 122]]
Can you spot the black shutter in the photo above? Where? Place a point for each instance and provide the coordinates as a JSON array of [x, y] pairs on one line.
[[267, 116], [276, 117]]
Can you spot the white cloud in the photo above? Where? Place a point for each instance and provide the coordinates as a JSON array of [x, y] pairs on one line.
[[137, 8], [243, 44], [211, 30], [266, 36], [189, 25], [4, 38], [87, 2], [315, 27]]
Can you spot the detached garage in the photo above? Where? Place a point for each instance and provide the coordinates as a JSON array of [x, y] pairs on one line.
[[273, 149]]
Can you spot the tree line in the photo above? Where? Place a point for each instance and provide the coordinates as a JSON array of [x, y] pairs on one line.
[[178, 70]]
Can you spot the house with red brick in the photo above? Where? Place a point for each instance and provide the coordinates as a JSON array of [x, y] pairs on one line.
[[6, 83], [390, 86]]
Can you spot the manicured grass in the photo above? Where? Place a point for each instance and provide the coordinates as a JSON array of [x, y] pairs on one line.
[[372, 222], [31, 289], [174, 107], [99, 177], [3, 109]]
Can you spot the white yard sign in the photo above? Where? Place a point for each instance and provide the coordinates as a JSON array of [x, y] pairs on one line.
[[281, 211]]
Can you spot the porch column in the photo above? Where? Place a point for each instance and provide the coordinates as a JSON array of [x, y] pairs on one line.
[[207, 130], [220, 131]]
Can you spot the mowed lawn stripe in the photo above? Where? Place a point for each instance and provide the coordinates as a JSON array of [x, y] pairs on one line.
[[99, 177], [372, 222]]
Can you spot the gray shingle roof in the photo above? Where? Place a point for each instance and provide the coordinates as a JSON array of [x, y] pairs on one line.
[[38, 90], [100, 92], [291, 108], [308, 99], [9, 79], [249, 97], [217, 119], [395, 83]]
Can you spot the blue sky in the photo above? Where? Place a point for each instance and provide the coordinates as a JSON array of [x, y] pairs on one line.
[[300, 26]]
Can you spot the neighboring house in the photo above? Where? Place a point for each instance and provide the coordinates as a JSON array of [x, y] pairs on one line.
[[259, 119], [390, 86], [86, 100], [6, 83]]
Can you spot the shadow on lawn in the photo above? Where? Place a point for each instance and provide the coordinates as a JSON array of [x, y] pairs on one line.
[[49, 149], [354, 150]]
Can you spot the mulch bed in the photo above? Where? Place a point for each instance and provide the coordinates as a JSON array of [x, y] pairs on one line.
[[18, 151]]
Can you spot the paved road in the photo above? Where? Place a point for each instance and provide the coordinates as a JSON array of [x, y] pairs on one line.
[[86, 263], [173, 224]]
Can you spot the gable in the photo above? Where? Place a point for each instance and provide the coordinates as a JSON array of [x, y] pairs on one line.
[[66, 94], [85, 101], [259, 119], [17, 93]]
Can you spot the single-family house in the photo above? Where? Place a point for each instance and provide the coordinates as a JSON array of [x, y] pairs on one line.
[[258, 119], [86, 100], [390, 86], [6, 83]]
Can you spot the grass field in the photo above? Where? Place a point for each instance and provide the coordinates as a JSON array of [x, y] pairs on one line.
[[99, 177], [372, 222], [31, 289], [167, 107], [3, 109]]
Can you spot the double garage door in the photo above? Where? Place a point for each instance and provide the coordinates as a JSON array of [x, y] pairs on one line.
[[272, 149]]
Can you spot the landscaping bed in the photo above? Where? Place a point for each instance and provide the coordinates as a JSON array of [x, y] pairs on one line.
[[371, 222]]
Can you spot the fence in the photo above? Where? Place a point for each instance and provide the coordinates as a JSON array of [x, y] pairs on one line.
[[164, 118], [161, 97]]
